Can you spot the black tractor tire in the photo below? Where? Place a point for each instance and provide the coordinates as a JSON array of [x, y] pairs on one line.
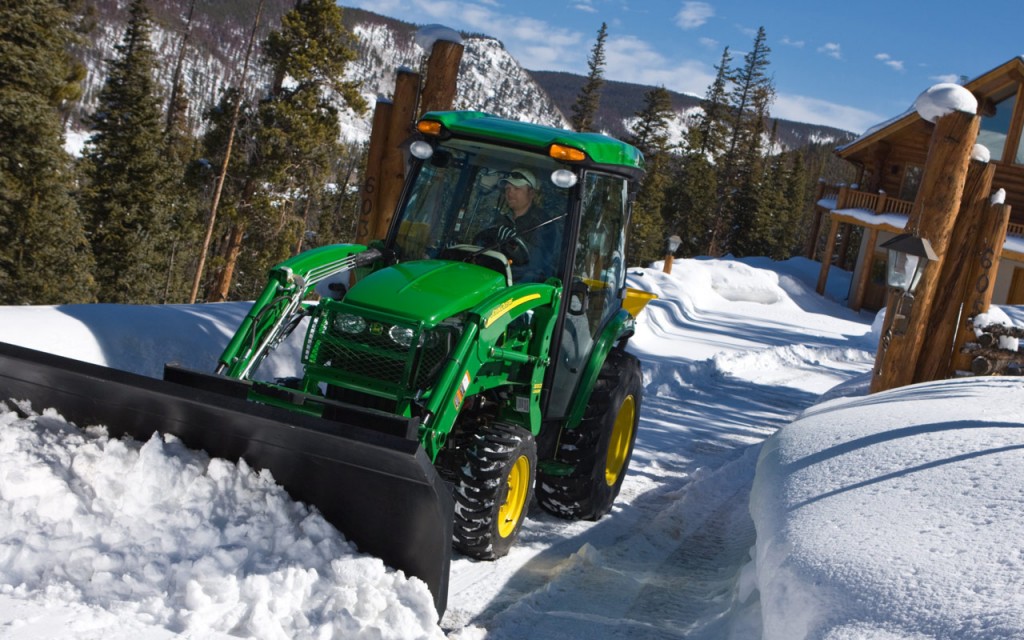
[[600, 448], [493, 490]]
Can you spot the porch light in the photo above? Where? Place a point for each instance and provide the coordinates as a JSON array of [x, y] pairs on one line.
[[908, 257], [672, 244]]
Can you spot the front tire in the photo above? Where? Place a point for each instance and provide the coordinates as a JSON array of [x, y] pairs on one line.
[[600, 448], [493, 490]]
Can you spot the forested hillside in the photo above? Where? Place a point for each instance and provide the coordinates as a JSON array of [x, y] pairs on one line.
[[213, 142], [621, 101]]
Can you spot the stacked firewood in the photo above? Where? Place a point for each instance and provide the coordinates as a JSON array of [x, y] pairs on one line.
[[997, 351]]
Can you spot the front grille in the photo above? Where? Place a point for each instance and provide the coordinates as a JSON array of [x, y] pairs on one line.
[[370, 357]]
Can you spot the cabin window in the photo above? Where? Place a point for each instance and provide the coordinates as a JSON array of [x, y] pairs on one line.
[[996, 127], [911, 182]]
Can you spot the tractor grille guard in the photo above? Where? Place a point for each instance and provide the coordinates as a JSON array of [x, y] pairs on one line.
[[374, 356]]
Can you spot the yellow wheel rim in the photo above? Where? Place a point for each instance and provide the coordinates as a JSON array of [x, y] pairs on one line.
[[515, 499], [622, 436]]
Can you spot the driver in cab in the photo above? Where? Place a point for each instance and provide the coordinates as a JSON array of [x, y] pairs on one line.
[[528, 224]]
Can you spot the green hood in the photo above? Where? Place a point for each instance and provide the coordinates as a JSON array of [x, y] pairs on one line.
[[427, 290]]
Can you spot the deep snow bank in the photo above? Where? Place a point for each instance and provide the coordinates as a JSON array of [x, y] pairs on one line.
[[171, 539], [895, 515]]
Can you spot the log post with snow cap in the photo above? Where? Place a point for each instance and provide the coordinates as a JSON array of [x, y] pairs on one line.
[[445, 48], [935, 359], [953, 109]]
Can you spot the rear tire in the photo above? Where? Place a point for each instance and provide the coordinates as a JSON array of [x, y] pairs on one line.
[[601, 446], [493, 490]]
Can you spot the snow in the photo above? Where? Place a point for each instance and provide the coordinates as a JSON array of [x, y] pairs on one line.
[[944, 98], [869, 217], [428, 34], [769, 496]]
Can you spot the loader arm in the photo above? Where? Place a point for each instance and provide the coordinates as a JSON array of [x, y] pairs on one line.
[[280, 306]]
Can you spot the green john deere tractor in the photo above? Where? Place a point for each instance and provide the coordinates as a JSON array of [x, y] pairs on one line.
[[466, 363]]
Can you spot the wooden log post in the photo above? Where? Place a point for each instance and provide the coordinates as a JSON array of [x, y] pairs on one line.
[[826, 257], [981, 278], [811, 243], [844, 246], [442, 76], [933, 217], [392, 174], [369, 192], [940, 333], [861, 285]]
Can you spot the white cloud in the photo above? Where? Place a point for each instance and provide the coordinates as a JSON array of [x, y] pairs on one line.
[[710, 43], [799, 44], [816, 111], [584, 6], [948, 77], [694, 14], [888, 61], [831, 49], [630, 59]]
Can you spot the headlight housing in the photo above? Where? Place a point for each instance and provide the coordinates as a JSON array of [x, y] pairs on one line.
[[402, 336], [349, 323]]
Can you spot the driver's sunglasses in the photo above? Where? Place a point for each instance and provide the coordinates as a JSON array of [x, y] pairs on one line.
[[519, 176]]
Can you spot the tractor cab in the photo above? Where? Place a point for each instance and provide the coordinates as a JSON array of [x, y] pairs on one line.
[[534, 204]]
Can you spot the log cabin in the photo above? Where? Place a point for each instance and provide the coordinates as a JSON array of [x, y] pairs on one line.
[[889, 160]]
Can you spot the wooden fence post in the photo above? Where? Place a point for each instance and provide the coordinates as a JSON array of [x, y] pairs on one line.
[[940, 333], [934, 215]]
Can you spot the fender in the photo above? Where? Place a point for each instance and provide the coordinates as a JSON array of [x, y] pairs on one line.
[[620, 326], [488, 321]]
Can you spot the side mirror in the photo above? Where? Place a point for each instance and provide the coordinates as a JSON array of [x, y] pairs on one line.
[[579, 298]]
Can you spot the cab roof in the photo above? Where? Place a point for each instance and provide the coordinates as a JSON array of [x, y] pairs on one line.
[[601, 151]]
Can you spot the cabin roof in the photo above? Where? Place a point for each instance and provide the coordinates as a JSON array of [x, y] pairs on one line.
[[984, 87]]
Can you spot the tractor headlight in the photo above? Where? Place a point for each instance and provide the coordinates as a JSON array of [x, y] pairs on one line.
[[402, 336], [348, 323]]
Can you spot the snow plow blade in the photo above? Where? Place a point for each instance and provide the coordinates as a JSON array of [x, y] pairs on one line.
[[364, 470]]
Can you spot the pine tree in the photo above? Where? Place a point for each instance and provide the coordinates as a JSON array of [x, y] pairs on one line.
[[128, 197], [691, 202], [794, 213], [584, 110], [739, 167], [298, 136], [647, 229], [708, 131], [44, 254]]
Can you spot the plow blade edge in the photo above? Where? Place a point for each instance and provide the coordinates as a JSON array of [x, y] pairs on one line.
[[375, 485]]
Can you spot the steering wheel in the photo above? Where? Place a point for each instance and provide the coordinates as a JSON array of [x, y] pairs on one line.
[[506, 240]]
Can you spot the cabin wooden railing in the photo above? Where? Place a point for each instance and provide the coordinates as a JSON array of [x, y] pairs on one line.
[[827, 191], [1015, 229], [881, 202]]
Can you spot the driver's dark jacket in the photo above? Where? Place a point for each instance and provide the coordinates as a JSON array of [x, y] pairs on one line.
[[544, 243]]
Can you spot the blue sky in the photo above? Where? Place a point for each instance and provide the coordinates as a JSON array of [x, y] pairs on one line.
[[844, 64]]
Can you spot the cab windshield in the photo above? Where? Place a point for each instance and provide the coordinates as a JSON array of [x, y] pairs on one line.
[[469, 194]]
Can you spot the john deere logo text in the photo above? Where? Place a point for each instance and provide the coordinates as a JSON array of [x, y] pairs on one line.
[[507, 306]]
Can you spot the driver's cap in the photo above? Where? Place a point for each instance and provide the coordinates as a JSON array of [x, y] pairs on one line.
[[521, 178]]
